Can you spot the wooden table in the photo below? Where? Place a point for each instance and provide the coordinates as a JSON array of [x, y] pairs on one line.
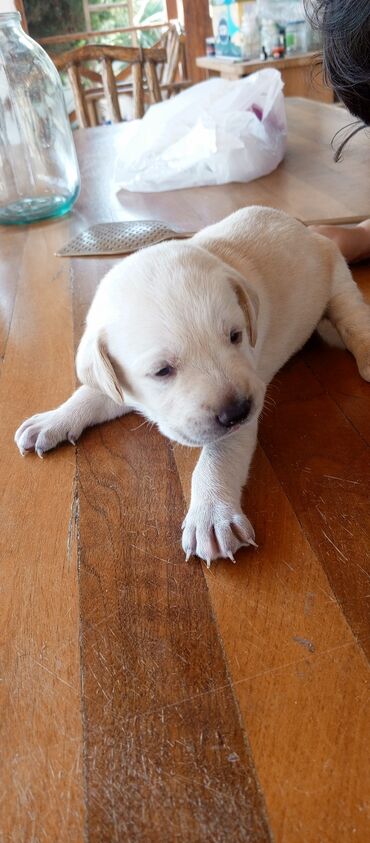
[[301, 73], [150, 699]]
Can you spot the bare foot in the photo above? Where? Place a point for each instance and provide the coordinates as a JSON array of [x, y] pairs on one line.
[[353, 242]]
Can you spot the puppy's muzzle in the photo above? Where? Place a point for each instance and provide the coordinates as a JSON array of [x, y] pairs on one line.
[[234, 412]]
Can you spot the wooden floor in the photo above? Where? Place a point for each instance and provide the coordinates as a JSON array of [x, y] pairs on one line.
[[143, 698]]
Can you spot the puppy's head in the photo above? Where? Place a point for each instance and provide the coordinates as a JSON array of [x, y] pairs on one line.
[[172, 331]]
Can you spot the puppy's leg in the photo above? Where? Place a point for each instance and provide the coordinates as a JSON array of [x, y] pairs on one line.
[[84, 408], [350, 315], [215, 525]]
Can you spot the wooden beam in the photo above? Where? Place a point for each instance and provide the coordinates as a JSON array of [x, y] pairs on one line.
[[171, 6], [97, 33], [198, 26]]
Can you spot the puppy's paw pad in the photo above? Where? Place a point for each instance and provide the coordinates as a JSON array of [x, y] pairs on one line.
[[216, 531]]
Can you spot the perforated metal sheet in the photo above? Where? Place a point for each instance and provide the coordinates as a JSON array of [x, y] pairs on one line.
[[120, 238]]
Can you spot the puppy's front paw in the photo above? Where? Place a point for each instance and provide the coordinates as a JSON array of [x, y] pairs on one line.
[[215, 530], [44, 431]]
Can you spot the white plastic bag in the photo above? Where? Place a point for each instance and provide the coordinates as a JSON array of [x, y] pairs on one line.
[[212, 133]]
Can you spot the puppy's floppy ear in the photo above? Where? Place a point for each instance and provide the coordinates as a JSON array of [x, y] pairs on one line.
[[249, 303], [95, 368]]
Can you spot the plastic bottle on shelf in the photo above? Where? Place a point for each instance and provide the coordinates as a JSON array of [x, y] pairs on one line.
[[269, 35]]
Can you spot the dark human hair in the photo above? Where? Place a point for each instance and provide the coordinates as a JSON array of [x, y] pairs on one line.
[[345, 30]]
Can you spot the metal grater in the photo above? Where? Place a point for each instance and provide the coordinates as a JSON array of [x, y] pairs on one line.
[[120, 238]]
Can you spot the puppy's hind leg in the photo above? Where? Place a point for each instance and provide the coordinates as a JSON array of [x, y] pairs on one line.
[[350, 315], [84, 408]]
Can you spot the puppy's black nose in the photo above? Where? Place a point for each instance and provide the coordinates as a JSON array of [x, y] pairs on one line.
[[234, 412]]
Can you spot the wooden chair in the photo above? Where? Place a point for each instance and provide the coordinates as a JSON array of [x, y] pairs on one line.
[[173, 73], [142, 61]]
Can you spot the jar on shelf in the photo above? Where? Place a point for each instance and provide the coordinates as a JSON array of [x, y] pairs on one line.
[[296, 36], [39, 174], [250, 32]]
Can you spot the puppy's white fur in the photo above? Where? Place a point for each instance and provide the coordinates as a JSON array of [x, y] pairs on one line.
[[259, 276]]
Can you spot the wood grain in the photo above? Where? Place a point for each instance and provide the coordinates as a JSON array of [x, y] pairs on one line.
[[41, 778], [152, 80], [323, 466], [302, 74], [138, 92], [339, 375], [298, 673], [11, 269], [95, 52], [200, 704], [164, 745], [198, 26], [83, 115], [110, 92]]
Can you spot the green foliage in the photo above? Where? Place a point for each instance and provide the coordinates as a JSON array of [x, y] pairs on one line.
[[54, 18], [64, 16]]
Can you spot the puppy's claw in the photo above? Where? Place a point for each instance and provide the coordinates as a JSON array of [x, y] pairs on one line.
[[230, 556], [208, 563], [188, 555], [71, 440], [39, 453], [252, 542]]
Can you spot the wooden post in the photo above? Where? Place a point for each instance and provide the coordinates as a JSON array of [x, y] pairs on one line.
[[171, 6], [152, 81], [78, 93], [198, 26]]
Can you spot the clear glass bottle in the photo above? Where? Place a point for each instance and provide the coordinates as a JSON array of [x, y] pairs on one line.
[[250, 32], [39, 174]]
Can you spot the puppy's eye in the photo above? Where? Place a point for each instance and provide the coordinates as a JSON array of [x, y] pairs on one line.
[[236, 337], [165, 372]]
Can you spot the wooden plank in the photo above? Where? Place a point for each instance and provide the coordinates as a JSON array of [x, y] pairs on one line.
[[299, 675], [243, 68], [79, 97], [11, 254], [164, 745], [198, 26], [152, 80], [138, 90], [41, 766], [339, 375], [110, 91], [323, 466], [171, 8], [133, 602], [301, 74], [114, 52], [309, 765], [98, 33]]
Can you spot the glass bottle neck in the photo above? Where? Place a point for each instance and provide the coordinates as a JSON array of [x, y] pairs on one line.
[[8, 20]]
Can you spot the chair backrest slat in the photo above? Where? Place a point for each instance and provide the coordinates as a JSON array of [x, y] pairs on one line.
[[81, 110]]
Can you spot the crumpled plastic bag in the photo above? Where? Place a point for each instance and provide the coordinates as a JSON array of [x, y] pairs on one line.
[[212, 133]]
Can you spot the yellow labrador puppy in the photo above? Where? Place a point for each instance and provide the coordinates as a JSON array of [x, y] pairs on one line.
[[190, 333]]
